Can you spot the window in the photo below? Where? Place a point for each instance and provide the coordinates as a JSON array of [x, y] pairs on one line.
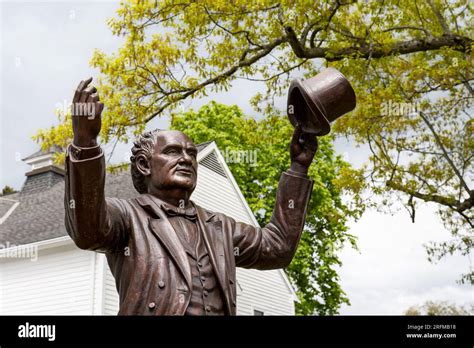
[[257, 312]]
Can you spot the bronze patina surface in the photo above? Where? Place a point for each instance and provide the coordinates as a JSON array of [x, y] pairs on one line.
[[168, 255]]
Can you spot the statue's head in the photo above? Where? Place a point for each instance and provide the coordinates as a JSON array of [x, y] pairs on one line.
[[164, 161]]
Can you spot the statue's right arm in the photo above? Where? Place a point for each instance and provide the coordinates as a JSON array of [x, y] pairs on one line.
[[92, 221]]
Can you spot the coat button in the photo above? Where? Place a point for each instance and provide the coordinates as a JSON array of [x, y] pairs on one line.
[[161, 284], [203, 279], [205, 293], [152, 305], [199, 264], [208, 309]]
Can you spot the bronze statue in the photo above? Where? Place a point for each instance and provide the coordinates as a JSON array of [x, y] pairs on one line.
[[168, 255]]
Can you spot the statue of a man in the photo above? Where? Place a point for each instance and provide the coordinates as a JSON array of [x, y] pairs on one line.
[[168, 255]]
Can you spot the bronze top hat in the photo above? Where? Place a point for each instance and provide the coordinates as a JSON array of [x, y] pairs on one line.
[[316, 102]]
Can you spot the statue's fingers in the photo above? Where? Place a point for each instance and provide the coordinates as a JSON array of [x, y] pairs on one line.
[[90, 90], [76, 97], [86, 82], [313, 144], [77, 92], [93, 98], [83, 84], [310, 141], [296, 135], [83, 97], [80, 87], [100, 107], [86, 93]]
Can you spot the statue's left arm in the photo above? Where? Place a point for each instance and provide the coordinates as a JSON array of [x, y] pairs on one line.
[[274, 245]]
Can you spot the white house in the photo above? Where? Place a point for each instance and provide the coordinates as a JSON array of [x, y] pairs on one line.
[[42, 272]]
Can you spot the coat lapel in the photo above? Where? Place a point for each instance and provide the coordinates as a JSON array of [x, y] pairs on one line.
[[162, 229], [212, 236]]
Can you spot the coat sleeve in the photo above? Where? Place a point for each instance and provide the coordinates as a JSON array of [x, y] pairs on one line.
[[93, 221], [274, 245]]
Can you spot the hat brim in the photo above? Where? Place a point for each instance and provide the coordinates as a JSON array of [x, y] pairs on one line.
[[315, 107]]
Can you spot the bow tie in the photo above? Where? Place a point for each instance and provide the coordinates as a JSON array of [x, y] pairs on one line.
[[188, 213]]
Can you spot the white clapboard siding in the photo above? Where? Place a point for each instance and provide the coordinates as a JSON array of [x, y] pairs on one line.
[[60, 282], [214, 192], [99, 274], [111, 299], [264, 291]]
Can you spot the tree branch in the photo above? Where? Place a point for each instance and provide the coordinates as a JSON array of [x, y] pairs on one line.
[[452, 203], [283, 72], [266, 49], [408, 27], [448, 202], [360, 49], [466, 218], [457, 42], [440, 17], [445, 153], [305, 33]]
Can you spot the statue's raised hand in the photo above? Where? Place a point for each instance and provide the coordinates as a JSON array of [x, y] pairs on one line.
[[303, 147], [86, 114]]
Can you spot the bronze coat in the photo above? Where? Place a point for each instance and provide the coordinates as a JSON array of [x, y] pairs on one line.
[[145, 255]]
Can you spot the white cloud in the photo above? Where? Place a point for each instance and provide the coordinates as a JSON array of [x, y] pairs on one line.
[[392, 273]]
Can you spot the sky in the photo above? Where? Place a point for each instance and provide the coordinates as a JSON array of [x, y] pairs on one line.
[[45, 49]]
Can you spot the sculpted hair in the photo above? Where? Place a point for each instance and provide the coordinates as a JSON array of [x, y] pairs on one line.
[[143, 146]]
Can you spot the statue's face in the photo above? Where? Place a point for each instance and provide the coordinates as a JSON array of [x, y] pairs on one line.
[[173, 164]]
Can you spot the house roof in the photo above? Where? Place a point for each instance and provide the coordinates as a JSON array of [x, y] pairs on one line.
[[42, 152], [6, 202], [202, 146]]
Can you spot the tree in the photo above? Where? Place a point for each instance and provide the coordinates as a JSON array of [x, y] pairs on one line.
[[257, 152], [409, 61], [7, 190], [440, 308]]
